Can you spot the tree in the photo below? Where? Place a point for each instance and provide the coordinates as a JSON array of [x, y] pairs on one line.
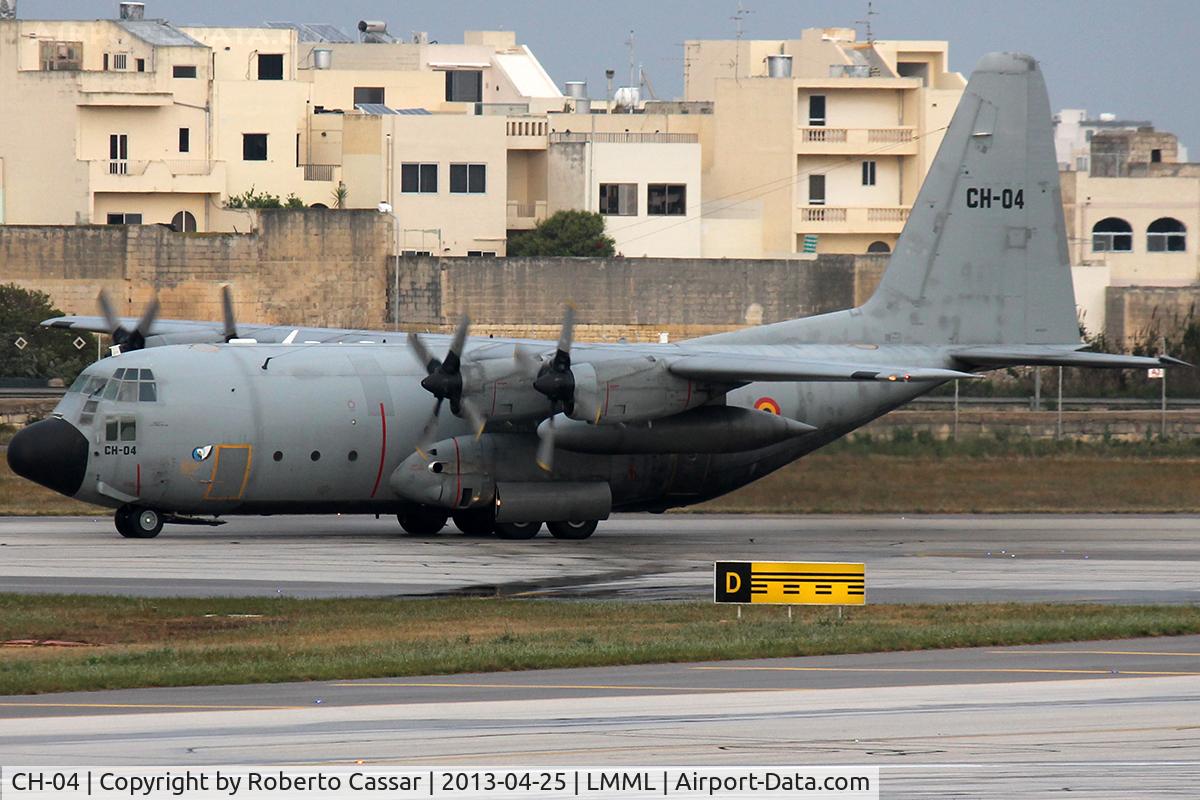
[[565, 233], [48, 352]]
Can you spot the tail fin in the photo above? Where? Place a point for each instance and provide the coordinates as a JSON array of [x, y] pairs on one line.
[[983, 256]]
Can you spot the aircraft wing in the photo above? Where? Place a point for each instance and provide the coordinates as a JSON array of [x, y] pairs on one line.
[[183, 331], [740, 369], [1033, 355]]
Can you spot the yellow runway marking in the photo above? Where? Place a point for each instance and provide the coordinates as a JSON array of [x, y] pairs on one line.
[[944, 669], [149, 705], [1092, 653], [559, 686]]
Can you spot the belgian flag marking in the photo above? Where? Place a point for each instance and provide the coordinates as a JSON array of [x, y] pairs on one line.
[[789, 583]]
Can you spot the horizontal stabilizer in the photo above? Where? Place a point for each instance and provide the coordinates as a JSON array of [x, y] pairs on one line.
[[741, 369], [1057, 357]]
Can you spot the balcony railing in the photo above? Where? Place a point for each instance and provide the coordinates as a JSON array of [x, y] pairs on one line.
[[525, 215], [879, 218], [565, 137], [899, 140], [189, 166], [124, 166], [527, 127], [319, 172]]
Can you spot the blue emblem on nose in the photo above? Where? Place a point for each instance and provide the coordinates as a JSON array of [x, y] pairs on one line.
[[201, 453]]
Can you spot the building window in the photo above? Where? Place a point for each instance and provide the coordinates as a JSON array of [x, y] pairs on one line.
[[468, 178], [183, 71], [60, 56], [270, 66], [124, 219], [184, 222], [1166, 235], [1156, 156], [666, 199], [868, 173], [1112, 235], [619, 199], [416, 253], [481, 254], [141, 65], [254, 147], [816, 190], [120, 61], [816, 109], [464, 86], [368, 94], [878, 247], [419, 178], [185, 136]]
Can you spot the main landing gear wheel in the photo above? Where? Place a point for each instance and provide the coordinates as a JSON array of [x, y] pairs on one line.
[[517, 530], [138, 522], [575, 529], [422, 521], [475, 522]]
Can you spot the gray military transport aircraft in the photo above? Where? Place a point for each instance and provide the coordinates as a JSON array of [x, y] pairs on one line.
[[191, 423]]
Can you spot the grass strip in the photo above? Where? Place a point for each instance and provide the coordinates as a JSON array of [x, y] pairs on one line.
[[134, 642]]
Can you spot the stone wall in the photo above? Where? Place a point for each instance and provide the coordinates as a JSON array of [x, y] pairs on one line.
[[307, 267], [632, 298], [1133, 313], [1014, 424]]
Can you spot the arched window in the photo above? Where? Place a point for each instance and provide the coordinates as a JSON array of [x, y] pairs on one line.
[[184, 222], [878, 247], [1166, 235], [1112, 235]]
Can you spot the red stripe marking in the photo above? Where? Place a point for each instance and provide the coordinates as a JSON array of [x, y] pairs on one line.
[[138, 485], [457, 473], [382, 449]]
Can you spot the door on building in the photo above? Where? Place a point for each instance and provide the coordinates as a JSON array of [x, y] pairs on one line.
[[118, 153]]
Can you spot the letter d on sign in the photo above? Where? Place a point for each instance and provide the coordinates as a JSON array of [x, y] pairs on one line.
[[731, 582]]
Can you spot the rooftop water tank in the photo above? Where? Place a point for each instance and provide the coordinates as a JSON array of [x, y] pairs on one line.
[[779, 65], [575, 89], [322, 58], [627, 97]]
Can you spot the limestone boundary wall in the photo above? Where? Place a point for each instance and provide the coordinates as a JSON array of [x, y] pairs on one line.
[[309, 267]]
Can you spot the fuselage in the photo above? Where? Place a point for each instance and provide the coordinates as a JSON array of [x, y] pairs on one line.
[[247, 429]]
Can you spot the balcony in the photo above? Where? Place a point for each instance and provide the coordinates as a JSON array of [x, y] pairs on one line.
[[525, 216], [843, 219], [185, 176], [122, 89], [320, 172], [899, 141], [526, 133]]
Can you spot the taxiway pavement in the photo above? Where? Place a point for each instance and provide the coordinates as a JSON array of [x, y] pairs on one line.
[[1115, 719], [1101, 558]]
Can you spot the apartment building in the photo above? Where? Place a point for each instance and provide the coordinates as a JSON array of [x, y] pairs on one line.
[[1131, 217], [829, 135], [135, 120]]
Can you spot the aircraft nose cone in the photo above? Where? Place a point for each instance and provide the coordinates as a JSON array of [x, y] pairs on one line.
[[52, 452]]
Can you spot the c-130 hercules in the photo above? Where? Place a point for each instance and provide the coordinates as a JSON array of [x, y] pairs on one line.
[[565, 435]]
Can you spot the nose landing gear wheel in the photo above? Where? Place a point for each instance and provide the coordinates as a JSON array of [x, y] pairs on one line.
[[575, 529], [517, 530], [138, 522], [422, 521]]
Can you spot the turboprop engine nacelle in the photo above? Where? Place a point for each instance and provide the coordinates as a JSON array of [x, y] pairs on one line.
[[459, 473], [628, 390]]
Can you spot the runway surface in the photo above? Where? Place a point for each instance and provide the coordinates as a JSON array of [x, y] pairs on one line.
[[1102, 558], [1115, 719]]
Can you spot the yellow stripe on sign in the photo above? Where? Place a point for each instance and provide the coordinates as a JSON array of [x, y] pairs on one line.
[[790, 582]]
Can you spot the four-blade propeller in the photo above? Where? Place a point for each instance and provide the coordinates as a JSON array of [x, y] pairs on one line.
[[443, 379], [128, 340], [557, 382]]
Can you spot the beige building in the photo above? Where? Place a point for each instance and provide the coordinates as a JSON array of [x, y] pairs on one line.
[[814, 144], [830, 136], [1132, 217], [135, 120]]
